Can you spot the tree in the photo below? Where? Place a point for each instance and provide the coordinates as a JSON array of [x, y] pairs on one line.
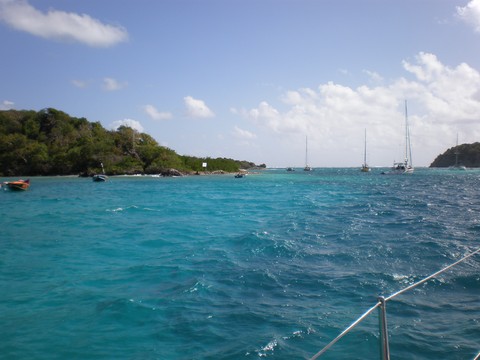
[[50, 142]]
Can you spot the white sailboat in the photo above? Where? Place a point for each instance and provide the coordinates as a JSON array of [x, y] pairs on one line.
[[365, 167], [457, 166], [406, 166], [307, 167]]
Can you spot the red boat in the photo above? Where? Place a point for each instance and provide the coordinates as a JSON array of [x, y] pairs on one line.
[[17, 185]]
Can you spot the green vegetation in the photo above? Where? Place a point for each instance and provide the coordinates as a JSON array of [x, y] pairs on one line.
[[466, 154], [50, 142]]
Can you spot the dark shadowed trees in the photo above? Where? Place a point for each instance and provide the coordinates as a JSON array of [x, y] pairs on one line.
[[50, 142]]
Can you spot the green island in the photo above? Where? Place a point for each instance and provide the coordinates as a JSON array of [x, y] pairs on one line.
[[51, 142], [467, 155]]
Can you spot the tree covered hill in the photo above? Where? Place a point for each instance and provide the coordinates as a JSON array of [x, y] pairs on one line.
[[50, 142], [466, 154]]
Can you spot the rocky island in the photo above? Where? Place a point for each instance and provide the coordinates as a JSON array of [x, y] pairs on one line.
[[467, 155]]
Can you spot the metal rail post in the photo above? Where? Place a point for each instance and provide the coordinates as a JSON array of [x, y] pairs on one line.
[[384, 347]]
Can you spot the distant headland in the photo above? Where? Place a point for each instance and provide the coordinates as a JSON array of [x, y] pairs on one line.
[[467, 155], [51, 142]]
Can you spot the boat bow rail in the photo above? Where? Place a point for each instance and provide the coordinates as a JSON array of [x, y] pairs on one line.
[[381, 305]]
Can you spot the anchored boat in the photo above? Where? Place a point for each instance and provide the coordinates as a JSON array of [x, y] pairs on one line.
[[100, 177], [20, 184], [457, 165], [307, 167], [406, 166], [365, 167]]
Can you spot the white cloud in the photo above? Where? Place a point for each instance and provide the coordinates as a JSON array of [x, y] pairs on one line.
[[470, 14], [374, 76], [334, 116], [197, 108], [79, 83], [110, 84], [243, 134], [155, 114], [60, 25], [449, 94], [134, 124], [267, 114], [7, 105]]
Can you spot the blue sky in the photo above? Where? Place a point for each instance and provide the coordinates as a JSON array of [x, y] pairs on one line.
[[250, 79]]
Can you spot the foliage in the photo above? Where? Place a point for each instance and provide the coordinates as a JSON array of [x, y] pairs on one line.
[[50, 142], [466, 154]]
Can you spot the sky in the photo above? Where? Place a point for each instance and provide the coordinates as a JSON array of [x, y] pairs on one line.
[[254, 79]]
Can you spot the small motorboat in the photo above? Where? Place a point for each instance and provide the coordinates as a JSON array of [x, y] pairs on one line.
[[17, 185], [100, 178], [239, 175]]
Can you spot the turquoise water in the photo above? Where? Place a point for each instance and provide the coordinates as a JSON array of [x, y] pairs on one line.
[[272, 265]]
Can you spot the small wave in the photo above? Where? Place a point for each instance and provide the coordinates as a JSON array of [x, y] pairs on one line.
[[132, 208], [268, 349], [121, 305], [141, 304], [120, 209], [398, 277], [299, 333], [196, 287]]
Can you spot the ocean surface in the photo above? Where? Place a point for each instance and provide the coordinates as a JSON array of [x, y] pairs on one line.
[[274, 265]]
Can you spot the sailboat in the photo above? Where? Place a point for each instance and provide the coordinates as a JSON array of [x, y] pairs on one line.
[[406, 166], [307, 167], [365, 167], [457, 166]]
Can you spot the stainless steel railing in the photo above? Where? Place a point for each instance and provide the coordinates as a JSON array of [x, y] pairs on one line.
[[381, 305]]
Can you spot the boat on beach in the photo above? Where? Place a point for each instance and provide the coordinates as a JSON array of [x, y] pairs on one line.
[[18, 185]]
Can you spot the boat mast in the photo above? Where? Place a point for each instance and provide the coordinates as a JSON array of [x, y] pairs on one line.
[[306, 151], [408, 148], [365, 150], [456, 153]]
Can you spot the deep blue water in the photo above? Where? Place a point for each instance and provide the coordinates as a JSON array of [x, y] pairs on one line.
[[272, 265]]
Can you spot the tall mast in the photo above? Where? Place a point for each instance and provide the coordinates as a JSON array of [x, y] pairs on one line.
[[456, 153], [365, 149], [406, 133], [408, 148], [306, 151]]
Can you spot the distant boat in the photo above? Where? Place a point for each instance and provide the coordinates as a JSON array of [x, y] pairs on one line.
[[406, 166], [365, 167], [457, 166], [290, 169], [19, 185], [307, 167], [100, 177]]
